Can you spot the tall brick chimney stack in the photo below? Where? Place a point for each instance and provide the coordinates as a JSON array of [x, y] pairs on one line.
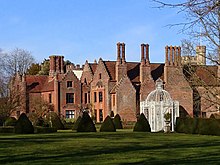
[[172, 58], [56, 65], [123, 53], [119, 52], [147, 82], [147, 54], [121, 66], [145, 71], [142, 54]]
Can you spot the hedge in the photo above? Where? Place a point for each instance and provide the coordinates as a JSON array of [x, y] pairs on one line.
[[203, 126], [39, 129], [7, 129]]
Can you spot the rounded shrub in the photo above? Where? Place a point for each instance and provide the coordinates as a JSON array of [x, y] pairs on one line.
[[24, 125], [86, 124], [108, 125], [54, 121], [76, 124], [117, 122], [142, 124], [11, 121]]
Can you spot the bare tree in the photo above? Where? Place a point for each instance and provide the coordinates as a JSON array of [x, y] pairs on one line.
[[18, 60], [202, 22], [12, 96]]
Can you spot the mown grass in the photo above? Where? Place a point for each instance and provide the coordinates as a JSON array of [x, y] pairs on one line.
[[122, 147]]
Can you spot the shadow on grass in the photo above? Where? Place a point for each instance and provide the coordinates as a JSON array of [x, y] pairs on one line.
[[121, 148]]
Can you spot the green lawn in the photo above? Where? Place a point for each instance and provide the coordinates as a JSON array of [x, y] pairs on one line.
[[123, 147]]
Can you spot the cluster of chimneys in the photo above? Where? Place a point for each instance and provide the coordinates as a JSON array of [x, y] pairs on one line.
[[121, 53], [173, 55]]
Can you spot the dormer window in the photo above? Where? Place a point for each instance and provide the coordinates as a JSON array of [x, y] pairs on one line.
[[69, 84]]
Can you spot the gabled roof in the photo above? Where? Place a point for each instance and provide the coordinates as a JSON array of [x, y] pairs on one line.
[[93, 67], [157, 71], [48, 86], [208, 75], [133, 71], [110, 67], [35, 83]]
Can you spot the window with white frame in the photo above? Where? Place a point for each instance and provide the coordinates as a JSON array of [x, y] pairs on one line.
[[70, 114]]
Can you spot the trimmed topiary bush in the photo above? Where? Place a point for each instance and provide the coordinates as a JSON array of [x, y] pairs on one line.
[[54, 121], [23, 125], [11, 121], [86, 124], [142, 124], [76, 124], [108, 125], [117, 122]]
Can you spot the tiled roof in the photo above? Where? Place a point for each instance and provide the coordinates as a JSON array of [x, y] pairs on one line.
[[48, 86], [133, 71], [208, 75], [157, 71], [39, 83], [93, 67], [110, 65]]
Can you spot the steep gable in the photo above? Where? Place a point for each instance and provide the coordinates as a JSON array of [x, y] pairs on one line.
[[88, 71], [101, 73]]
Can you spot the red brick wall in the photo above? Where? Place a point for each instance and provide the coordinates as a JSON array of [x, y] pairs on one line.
[[100, 84], [76, 89], [179, 88], [126, 100]]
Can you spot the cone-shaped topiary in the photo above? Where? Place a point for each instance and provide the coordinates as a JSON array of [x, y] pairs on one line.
[[86, 124], [142, 124], [76, 124], [108, 125], [23, 125], [54, 121], [117, 122]]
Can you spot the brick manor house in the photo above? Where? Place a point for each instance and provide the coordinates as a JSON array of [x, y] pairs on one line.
[[118, 87]]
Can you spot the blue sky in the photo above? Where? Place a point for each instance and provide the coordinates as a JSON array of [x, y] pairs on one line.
[[87, 29]]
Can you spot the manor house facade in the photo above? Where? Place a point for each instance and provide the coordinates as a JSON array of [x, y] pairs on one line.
[[118, 87]]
